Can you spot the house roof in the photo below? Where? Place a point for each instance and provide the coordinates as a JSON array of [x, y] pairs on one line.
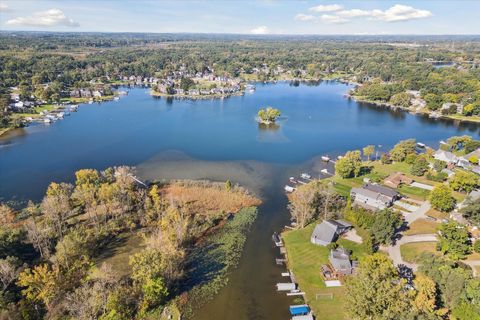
[[325, 231], [397, 178], [445, 155], [340, 259], [381, 189], [370, 194]]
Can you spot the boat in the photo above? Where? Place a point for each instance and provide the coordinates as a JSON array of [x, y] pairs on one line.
[[306, 176], [90, 101], [289, 188], [277, 240], [292, 180], [60, 115], [324, 171], [325, 158], [421, 145], [47, 120], [286, 286], [116, 98]]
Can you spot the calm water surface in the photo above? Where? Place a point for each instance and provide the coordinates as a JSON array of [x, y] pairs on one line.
[[214, 139]]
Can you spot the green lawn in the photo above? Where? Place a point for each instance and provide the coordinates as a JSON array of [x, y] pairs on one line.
[[412, 251], [422, 226], [305, 259]]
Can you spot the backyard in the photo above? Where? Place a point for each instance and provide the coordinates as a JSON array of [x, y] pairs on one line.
[[305, 259]]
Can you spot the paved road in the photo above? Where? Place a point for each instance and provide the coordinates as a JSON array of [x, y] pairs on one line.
[[394, 251], [419, 213]]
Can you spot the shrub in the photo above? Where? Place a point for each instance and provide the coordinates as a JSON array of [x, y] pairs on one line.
[[476, 246]]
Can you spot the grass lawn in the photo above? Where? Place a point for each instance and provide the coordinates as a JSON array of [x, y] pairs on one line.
[[421, 226], [412, 251], [414, 192], [437, 214], [305, 259], [118, 252]]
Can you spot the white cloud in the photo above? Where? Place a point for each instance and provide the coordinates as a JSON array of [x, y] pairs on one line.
[[400, 12], [48, 18], [326, 8], [4, 7], [304, 17], [331, 18], [353, 13], [260, 30]]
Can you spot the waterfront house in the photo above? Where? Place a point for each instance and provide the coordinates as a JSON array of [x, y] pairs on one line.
[[390, 193], [445, 156], [396, 179], [370, 199], [340, 260], [328, 231]]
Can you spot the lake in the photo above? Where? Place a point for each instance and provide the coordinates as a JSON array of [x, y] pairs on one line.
[[219, 140]]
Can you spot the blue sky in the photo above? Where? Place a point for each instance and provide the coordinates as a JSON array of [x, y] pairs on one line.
[[246, 17]]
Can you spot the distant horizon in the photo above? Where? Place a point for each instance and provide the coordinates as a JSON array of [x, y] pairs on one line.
[[247, 34], [261, 17]]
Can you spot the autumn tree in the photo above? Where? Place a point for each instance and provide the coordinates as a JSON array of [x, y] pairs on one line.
[[40, 284]]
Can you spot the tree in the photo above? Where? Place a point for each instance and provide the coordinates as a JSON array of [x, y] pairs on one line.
[[369, 151], [186, 84], [401, 99], [442, 199], [9, 270], [39, 283], [454, 240], [269, 115], [386, 223], [56, 205], [464, 181], [402, 149], [376, 292], [349, 165], [419, 167], [471, 211], [425, 301]]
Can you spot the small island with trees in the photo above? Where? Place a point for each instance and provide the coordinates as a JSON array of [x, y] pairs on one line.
[[268, 116]]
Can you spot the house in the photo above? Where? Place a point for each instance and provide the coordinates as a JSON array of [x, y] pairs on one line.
[[370, 199], [445, 156], [396, 179], [385, 191], [340, 260], [328, 231], [472, 155]]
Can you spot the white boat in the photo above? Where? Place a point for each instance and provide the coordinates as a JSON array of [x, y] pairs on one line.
[[305, 176], [90, 101], [421, 145], [60, 115], [325, 158], [116, 98], [324, 171], [47, 120], [289, 188]]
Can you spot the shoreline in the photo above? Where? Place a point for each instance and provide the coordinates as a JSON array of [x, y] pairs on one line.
[[460, 118], [197, 97]]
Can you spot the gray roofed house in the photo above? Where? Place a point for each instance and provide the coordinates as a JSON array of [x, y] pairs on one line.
[[386, 191], [340, 260], [370, 199], [328, 231], [445, 156]]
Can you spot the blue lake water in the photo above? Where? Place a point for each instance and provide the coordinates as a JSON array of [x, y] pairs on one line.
[[316, 120], [219, 140]]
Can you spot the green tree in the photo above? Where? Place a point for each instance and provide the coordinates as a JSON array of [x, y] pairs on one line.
[[369, 151], [186, 84], [402, 149], [401, 99], [471, 211], [349, 165], [386, 223], [464, 181], [454, 240], [269, 115], [441, 198], [376, 292], [419, 167]]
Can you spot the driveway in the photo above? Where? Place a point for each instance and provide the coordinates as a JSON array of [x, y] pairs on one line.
[[394, 251], [419, 213], [473, 264]]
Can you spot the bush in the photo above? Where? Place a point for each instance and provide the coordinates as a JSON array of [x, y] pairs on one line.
[[419, 167], [410, 158], [476, 246], [438, 177]]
